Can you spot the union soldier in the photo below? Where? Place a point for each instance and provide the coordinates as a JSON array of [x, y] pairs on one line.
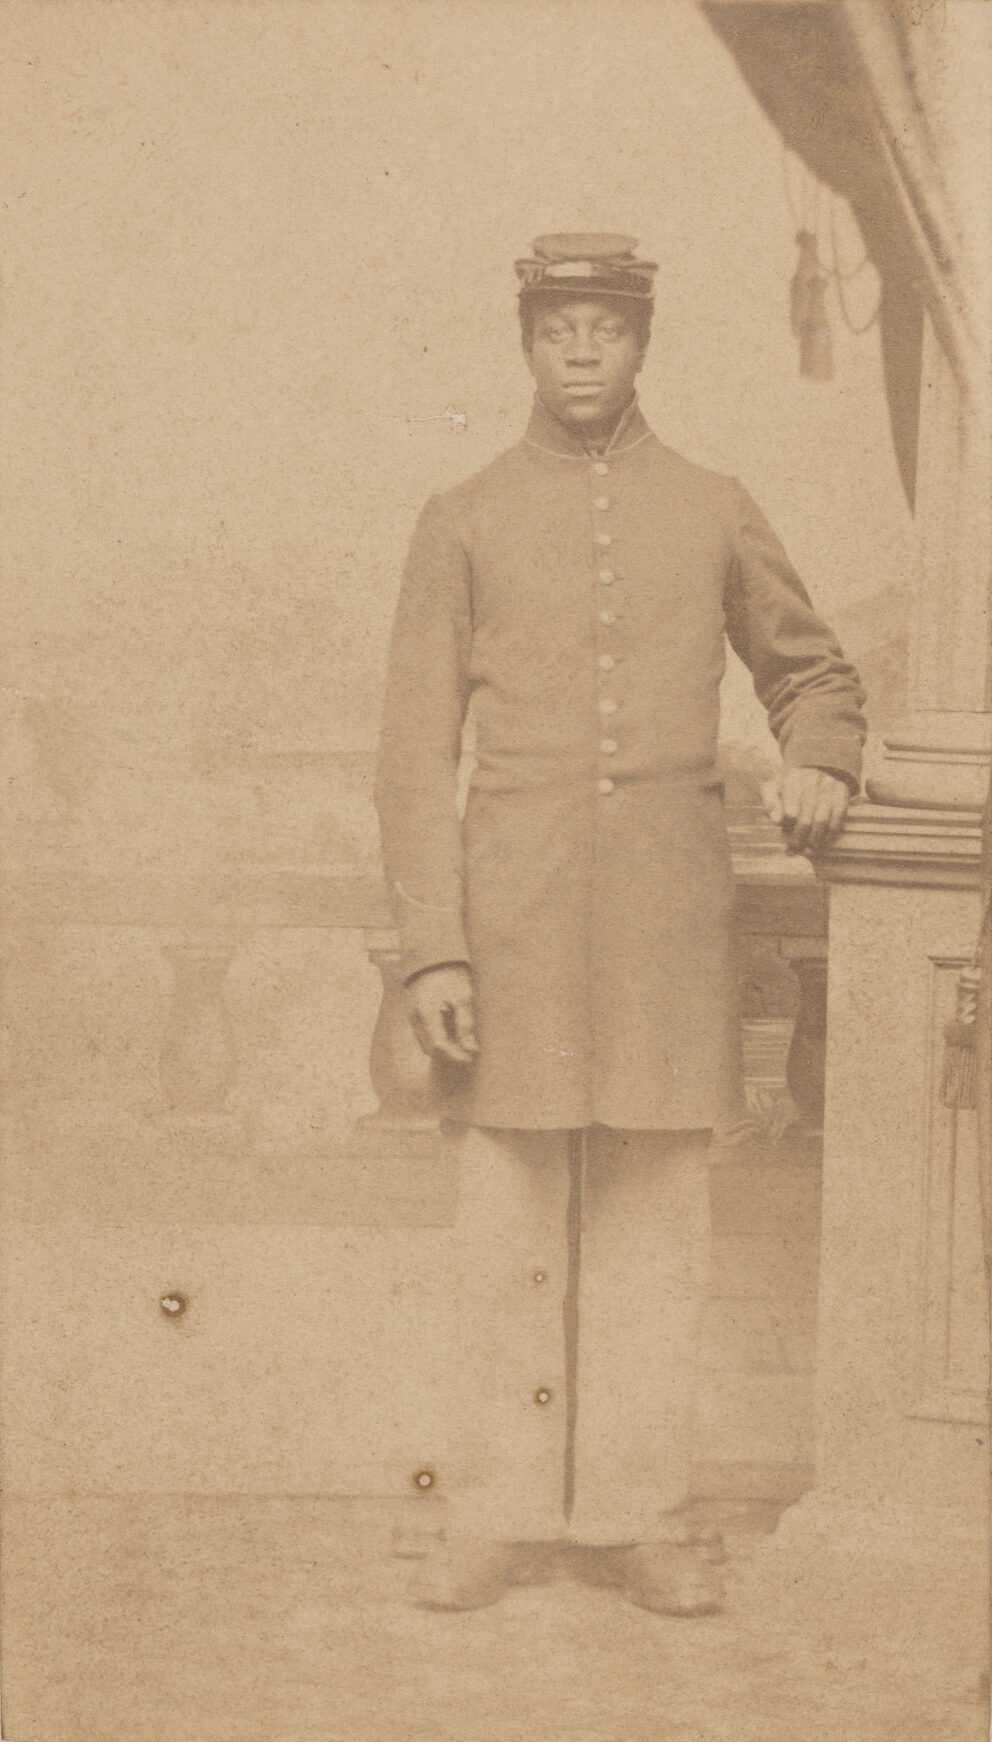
[[567, 942]]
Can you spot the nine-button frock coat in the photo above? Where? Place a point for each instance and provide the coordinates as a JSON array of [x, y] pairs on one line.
[[581, 604]]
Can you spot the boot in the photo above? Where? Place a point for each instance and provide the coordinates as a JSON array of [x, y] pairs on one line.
[[465, 1573], [671, 1579]]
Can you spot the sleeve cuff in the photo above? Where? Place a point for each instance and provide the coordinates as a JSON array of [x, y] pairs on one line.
[[429, 967], [431, 941], [429, 936]]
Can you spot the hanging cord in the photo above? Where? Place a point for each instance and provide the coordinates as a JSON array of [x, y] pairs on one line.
[[959, 1082], [841, 278], [959, 1087], [813, 275], [804, 213]]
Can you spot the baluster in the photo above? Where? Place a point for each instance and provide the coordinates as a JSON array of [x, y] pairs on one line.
[[198, 1063], [806, 1068], [402, 1076]]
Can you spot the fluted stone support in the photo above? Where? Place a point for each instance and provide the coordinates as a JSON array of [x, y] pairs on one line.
[[937, 757], [406, 1119], [198, 1061], [806, 1066], [401, 1073]]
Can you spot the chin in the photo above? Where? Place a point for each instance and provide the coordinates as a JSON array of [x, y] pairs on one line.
[[582, 411]]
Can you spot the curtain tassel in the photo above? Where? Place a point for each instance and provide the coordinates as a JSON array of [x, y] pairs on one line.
[[808, 309]]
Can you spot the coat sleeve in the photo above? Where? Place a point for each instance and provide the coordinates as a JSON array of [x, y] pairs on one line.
[[426, 698], [812, 694]]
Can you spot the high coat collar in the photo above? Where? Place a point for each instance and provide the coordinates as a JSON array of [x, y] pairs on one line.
[[547, 432]]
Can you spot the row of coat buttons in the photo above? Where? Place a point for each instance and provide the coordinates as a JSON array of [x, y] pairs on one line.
[[543, 1394], [607, 617]]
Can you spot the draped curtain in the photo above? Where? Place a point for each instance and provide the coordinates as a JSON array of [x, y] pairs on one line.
[[852, 87], [848, 86], [887, 47], [891, 55]]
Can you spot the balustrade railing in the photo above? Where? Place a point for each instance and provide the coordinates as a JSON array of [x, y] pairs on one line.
[[782, 921]]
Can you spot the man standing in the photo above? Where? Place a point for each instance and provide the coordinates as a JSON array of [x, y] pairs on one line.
[[568, 944]]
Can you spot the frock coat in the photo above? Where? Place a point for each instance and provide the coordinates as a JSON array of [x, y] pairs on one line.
[[581, 604]]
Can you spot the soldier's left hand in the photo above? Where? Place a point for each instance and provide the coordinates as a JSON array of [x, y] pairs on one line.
[[810, 805]]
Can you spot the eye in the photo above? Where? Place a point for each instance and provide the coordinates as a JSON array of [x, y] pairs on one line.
[[555, 332], [611, 330]]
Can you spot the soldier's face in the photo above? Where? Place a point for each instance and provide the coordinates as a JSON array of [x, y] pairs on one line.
[[585, 357]]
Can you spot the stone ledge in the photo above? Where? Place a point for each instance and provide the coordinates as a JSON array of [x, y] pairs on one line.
[[46, 896], [927, 849], [770, 900]]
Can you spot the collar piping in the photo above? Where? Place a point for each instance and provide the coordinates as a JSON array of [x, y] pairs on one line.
[[613, 446]]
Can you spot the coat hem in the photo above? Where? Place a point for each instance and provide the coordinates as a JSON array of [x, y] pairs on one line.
[[492, 1122]]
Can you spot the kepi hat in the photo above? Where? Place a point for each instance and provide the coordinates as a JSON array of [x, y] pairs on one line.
[[605, 265]]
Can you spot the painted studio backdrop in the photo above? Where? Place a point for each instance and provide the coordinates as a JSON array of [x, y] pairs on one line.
[[259, 304]]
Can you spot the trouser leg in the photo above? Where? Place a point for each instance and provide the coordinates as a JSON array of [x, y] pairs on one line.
[[510, 1394], [643, 1273], [582, 1262]]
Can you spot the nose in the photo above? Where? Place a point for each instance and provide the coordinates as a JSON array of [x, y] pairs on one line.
[[582, 349]]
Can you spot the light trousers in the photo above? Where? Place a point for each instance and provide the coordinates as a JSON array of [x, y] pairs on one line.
[[583, 1263]]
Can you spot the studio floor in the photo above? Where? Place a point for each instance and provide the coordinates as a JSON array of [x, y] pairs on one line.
[[273, 1620]]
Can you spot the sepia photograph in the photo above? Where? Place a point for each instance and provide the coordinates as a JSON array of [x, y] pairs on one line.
[[496, 871]]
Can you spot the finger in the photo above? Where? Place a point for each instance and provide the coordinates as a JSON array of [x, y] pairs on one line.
[[793, 787], [464, 1024], [435, 1033], [838, 814], [805, 806], [444, 1036], [819, 831], [771, 798], [828, 816]]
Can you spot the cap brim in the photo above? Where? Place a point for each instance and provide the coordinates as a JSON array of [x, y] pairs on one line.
[[584, 287]]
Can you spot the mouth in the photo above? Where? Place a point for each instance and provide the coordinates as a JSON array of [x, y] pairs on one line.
[[583, 389]]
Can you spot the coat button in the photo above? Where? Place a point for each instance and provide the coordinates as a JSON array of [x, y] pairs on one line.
[[540, 1276], [607, 705], [605, 786], [601, 502], [542, 1395], [606, 662], [601, 468], [607, 577], [604, 538], [609, 746], [608, 617]]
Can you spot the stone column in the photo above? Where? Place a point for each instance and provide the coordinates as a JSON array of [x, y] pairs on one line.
[[938, 755], [887, 1555], [886, 1558]]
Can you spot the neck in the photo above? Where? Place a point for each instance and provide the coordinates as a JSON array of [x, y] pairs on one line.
[[597, 440]]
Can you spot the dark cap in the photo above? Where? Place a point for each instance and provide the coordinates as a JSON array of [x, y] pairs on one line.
[[599, 265]]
